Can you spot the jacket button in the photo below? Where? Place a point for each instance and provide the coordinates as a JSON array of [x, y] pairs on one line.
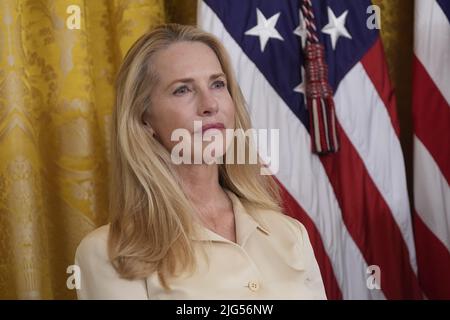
[[253, 285]]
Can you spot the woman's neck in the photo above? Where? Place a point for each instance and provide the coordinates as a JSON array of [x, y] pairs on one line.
[[202, 187], [214, 208]]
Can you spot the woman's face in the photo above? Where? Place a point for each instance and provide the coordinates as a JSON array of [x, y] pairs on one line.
[[191, 86]]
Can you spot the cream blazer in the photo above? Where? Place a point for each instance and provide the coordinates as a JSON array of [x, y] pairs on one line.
[[271, 259]]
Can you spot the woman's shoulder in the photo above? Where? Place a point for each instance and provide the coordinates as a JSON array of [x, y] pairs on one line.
[[94, 246], [99, 279]]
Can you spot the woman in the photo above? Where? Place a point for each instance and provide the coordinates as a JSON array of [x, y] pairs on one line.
[[209, 230]]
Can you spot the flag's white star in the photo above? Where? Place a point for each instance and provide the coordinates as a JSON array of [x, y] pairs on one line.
[[301, 29], [265, 29], [336, 27], [302, 86]]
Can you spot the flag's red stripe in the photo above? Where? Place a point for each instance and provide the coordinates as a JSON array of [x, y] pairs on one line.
[[293, 209], [375, 65], [370, 221], [433, 260], [431, 115]]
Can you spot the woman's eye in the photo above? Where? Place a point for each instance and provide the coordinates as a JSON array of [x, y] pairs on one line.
[[181, 90], [219, 84]]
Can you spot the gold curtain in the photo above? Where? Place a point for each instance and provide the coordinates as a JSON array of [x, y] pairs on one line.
[[397, 18], [56, 96]]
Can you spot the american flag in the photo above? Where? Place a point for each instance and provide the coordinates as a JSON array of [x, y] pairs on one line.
[[431, 116], [354, 202]]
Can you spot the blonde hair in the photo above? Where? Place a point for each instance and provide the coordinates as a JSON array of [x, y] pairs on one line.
[[151, 217]]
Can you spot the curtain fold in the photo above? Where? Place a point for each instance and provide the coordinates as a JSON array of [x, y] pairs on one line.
[[56, 97]]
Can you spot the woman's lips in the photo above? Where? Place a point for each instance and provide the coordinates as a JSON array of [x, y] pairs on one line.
[[217, 125]]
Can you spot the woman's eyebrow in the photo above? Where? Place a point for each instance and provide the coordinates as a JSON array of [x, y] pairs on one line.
[[183, 80], [217, 75], [189, 80]]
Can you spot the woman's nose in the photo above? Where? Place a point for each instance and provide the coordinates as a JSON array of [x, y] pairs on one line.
[[208, 103]]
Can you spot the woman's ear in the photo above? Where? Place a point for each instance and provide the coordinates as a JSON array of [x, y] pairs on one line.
[[149, 128], [147, 125]]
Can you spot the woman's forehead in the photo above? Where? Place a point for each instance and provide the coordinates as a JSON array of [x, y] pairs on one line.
[[185, 58]]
